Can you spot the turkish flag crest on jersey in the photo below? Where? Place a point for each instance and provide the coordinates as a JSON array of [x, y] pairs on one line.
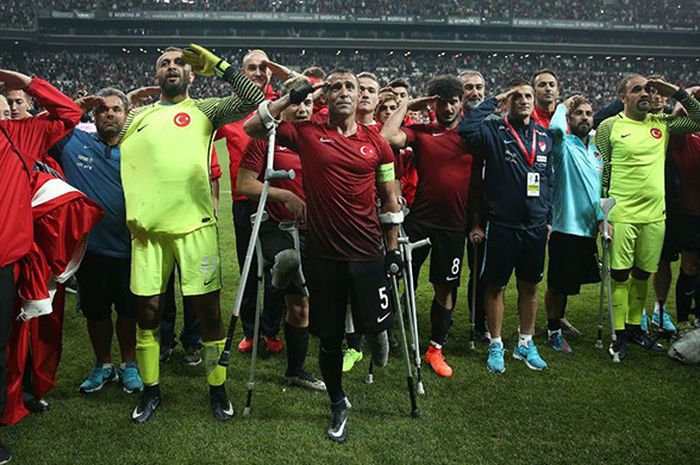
[[182, 119]]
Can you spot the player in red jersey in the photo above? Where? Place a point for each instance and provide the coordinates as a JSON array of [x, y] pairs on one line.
[[285, 203], [440, 209], [256, 67], [346, 167], [546, 85], [686, 156], [368, 99]]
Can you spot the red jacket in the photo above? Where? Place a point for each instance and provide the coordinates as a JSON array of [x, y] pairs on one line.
[[30, 139]]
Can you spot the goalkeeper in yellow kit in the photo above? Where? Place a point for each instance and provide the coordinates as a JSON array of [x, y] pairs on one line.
[[633, 145], [165, 150]]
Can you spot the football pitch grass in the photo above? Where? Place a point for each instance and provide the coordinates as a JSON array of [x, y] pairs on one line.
[[583, 410]]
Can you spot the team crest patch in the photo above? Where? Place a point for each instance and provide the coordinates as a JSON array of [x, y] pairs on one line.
[[656, 133], [182, 119], [367, 151], [543, 145]]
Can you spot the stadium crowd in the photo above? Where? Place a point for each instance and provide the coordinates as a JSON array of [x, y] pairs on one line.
[[594, 76], [14, 13], [493, 154]]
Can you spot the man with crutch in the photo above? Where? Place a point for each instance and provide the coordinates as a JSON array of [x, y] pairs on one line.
[[633, 145], [346, 167], [171, 216], [279, 235], [439, 212]]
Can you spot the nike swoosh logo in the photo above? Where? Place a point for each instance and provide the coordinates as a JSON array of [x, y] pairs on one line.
[[379, 320], [142, 127], [340, 430], [323, 139], [451, 278], [437, 134], [135, 414], [508, 141], [229, 410], [206, 283], [625, 135]]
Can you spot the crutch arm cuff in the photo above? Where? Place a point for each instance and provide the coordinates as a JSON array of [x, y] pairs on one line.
[[265, 116], [391, 217]]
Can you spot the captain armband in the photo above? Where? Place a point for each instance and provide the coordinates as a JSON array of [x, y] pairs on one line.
[[385, 172], [391, 217], [265, 117]]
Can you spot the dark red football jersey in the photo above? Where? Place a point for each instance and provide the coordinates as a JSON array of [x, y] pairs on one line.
[[444, 167], [686, 156], [340, 185], [255, 159]]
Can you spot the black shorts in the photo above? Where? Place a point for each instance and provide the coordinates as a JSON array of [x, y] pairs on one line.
[[573, 260], [513, 248], [273, 241], [102, 282], [332, 282], [446, 252], [672, 238], [689, 226]]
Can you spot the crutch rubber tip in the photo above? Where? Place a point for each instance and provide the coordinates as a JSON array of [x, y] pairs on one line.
[[224, 359], [246, 412], [599, 344], [471, 345], [415, 414], [370, 379], [420, 389]]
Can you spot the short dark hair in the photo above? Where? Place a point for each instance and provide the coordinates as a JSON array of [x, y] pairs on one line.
[[112, 92], [542, 71], [622, 85], [575, 103], [368, 75], [169, 49], [400, 82], [338, 70], [445, 86], [516, 82]]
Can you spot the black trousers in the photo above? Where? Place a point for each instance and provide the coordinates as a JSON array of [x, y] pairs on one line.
[[7, 298], [272, 301]]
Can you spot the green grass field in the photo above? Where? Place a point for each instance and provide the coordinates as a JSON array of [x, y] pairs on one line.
[[584, 410]]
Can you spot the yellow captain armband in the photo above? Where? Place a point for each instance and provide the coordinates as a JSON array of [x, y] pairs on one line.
[[386, 172]]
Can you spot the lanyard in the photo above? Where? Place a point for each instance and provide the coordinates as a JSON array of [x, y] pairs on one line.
[[530, 157]]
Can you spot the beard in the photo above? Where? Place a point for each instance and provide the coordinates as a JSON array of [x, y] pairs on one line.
[[106, 133], [172, 89], [472, 104], [580, 131]]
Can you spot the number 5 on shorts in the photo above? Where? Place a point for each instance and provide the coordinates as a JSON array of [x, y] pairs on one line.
[[383, 298]]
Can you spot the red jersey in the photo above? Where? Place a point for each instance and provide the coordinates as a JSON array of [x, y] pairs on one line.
[[542, 116], [215, 172], [340, 185], [236, 142], [255, 159], [444, 168], [32, 138], [686, 156]]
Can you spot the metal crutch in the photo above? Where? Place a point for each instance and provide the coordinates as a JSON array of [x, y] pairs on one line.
[[407, 247], [258, 311]]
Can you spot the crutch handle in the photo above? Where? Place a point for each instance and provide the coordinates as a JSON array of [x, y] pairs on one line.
[[279, 174], [406, 242]]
